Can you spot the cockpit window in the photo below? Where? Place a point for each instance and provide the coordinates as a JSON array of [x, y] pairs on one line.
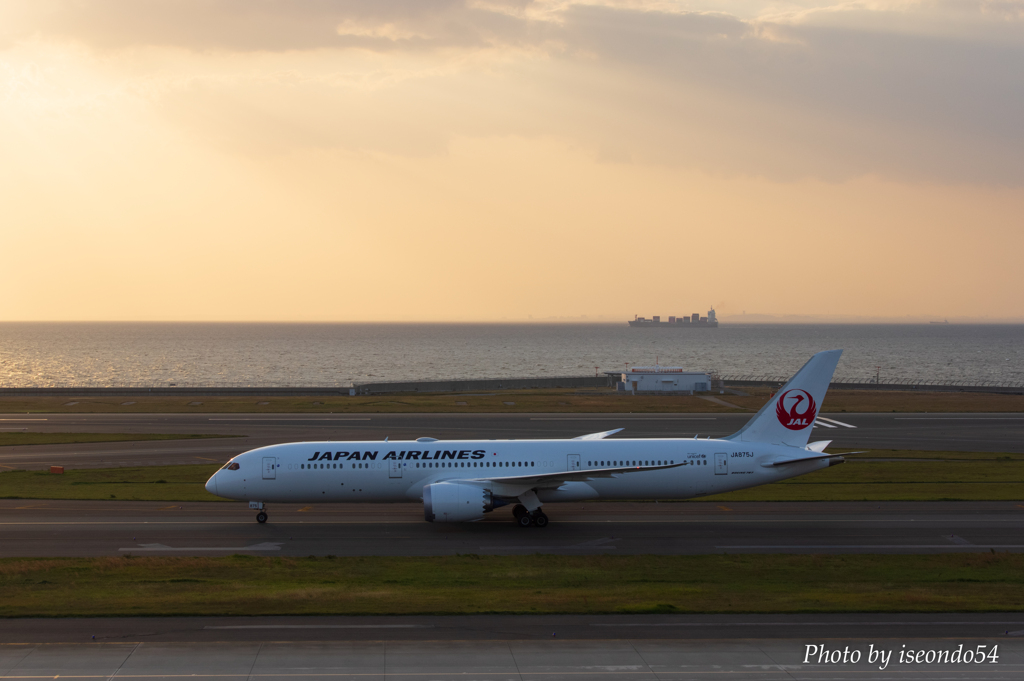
[[231, 466]]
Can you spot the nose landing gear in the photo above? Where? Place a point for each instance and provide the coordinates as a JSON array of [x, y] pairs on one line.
[[261, 517]]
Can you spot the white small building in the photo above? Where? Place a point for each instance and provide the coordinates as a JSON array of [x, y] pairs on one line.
[[664, 379]]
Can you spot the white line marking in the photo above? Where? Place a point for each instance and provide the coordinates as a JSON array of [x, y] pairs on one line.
[[330, 626], [958, 418], [840, 423], [827, 425], [24, 419], [288, 420], [265, 546], [701, 518], [623, 418], [877, 546], [591, 544], [783, 624]]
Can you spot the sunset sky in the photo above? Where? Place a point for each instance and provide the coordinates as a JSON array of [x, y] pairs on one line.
[[411, 160]]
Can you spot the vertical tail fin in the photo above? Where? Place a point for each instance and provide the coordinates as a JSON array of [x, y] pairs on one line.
[[788, 417]]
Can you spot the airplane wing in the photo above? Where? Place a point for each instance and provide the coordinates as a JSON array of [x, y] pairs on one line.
[[599, 436], [555, 480]]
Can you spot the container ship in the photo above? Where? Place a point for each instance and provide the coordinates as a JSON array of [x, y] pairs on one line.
[[679, 322]]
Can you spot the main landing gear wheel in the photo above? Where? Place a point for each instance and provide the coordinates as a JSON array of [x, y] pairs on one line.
[[536, 518], [519, 511], [261, 517]]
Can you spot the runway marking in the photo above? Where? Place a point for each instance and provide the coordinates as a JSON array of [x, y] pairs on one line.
[[878, 546], [827, 425], [725, 508], [958, 418], [323, 626], [24, 419], [942, 520], [788, 624], [294, 419], [598, 544], [21, 508], [840, 423], [620, 418], [203, 458], [265, 546]]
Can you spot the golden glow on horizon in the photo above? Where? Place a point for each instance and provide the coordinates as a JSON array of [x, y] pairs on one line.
[[563, 163]]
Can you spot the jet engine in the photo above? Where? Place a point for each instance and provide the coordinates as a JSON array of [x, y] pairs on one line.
[[453, 502]]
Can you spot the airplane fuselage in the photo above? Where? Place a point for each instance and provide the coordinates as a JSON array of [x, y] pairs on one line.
[[383, 472]]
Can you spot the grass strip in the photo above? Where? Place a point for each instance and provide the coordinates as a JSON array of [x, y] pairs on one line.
[[247, 585], [974, 476], [981, 477], [148, 483], [14, 439]]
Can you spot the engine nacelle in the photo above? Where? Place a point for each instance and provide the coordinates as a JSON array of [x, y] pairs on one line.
[[452, 502]]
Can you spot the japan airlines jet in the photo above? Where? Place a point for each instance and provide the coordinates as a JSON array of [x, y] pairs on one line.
[[461, 480]]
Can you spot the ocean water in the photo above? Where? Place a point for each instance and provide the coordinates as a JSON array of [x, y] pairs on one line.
[[237, 354]]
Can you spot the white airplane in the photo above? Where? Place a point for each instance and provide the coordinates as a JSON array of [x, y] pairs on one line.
[[461, 480]]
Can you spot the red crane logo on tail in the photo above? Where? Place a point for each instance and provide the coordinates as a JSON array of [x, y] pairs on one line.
[[802, 409]]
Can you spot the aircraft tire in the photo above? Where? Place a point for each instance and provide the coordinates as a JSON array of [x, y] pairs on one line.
[[524, 520], [519, 511], [261, 517], [540, 520]]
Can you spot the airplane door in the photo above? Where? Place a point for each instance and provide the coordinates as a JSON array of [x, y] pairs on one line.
[[269, 467], [698, 476], [721, 463], [574, 462], [394, 468]]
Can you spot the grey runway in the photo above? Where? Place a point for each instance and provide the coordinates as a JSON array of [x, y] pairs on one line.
[[109, 528], [934, 432], [515, 648]]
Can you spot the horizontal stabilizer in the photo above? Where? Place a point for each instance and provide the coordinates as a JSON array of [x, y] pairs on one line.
[[599, 436], [816, 457]]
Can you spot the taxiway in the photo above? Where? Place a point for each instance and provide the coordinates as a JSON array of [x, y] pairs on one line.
[[930, 432]]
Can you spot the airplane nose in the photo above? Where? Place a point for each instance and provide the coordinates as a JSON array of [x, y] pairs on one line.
[[211, 484]]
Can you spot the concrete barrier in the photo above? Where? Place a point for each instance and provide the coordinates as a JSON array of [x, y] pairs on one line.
[[486, 384], [921, 387]]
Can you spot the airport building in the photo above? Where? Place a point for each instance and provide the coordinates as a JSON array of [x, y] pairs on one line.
[[664, 379]]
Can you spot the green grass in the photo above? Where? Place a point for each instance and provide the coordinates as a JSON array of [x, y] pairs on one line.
[[974, 477], [12, 439], [245, 585], [150, 483], [960, 476]]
